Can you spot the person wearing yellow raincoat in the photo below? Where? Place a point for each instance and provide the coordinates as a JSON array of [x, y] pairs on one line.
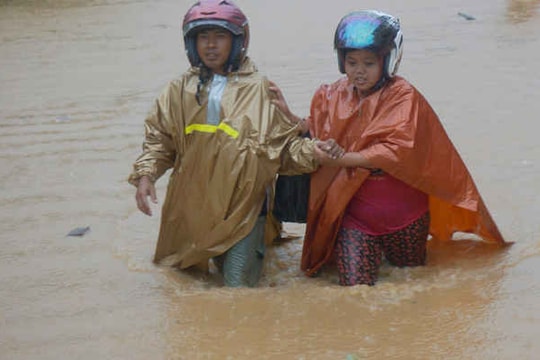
[[224, 140], [400, 179]]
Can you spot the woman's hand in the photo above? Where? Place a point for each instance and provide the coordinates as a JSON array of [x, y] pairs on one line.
[[350, 159], [280, 101], [331, 148], [328, 152]]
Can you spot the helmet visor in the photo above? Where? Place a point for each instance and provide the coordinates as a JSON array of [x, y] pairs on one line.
[[207, 23]]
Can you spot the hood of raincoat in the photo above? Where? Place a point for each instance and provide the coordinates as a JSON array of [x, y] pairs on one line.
[[397, 131], [220, 173]]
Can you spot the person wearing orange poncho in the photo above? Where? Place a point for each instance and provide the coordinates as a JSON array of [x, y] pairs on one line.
[[400, 180]]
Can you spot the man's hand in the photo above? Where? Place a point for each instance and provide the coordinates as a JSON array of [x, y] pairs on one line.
[[145, 189]]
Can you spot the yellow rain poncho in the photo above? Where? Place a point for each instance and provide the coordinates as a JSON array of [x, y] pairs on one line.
[[220, 173]]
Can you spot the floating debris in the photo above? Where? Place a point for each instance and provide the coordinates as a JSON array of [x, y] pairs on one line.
[[62, 119], [466, 16], [80, 231]]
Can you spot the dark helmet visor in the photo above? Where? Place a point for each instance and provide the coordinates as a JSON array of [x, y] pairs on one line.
[[208, 23]]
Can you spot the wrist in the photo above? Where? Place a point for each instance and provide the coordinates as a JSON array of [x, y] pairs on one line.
[[293, 118], [303, 124], [349, 159], [146, 178]]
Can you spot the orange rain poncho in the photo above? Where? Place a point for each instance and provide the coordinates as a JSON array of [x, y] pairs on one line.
[[396, 130]]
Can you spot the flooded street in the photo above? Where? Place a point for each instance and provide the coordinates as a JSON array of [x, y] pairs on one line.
[[76, 80]]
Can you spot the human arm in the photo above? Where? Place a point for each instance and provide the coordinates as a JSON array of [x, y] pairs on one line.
[[349, 159], [330, 146], [280, 102], [379, 131], [145, 189], [158, 150]]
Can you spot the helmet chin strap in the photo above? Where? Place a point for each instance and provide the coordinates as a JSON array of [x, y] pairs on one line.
[[205, 74], [388, 59], [382, 81]]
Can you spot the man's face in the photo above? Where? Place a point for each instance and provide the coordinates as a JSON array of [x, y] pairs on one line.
[[214, 46]]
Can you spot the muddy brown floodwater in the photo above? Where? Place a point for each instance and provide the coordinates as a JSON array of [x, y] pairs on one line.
[[76, 80]]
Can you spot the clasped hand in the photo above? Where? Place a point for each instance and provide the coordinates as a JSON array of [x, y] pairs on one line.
[[327, 152]]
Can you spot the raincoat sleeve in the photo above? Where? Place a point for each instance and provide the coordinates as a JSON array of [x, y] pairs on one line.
[[298, 157], [159, 152], [295, 153]]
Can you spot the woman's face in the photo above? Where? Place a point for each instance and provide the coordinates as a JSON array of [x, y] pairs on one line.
[[214, 47], [364, 68]]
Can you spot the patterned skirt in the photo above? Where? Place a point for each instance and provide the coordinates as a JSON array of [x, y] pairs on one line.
[[358, 255]]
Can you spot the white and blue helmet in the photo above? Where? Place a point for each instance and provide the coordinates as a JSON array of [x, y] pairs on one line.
[[371, 30]]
